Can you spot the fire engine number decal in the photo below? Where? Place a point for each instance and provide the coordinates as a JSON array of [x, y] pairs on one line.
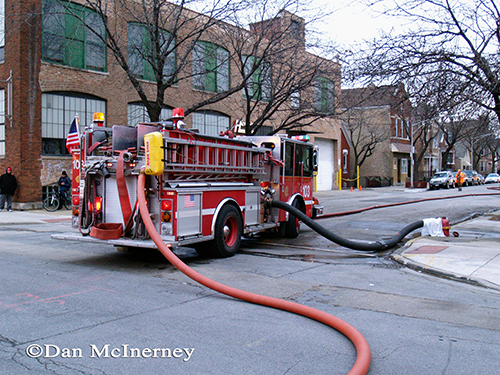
[[306, 190]]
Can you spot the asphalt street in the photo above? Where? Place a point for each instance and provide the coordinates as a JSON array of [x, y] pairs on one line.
[[110, 312]]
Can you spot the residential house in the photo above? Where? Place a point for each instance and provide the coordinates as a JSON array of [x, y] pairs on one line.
[[377, 120]]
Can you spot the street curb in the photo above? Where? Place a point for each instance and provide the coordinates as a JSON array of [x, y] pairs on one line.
[[419, 267]]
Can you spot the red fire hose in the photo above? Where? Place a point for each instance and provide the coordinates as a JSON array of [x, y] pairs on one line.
[[363, 358]]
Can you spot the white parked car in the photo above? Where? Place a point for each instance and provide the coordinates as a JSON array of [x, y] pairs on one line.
[[444, 179], [492, 177]]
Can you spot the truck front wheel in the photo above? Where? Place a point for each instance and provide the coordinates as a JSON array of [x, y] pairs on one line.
[[292, 225], [227, 232]]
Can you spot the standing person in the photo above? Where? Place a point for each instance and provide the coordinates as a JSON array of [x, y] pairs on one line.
[[8, 186], [64, 185], [460, 179]]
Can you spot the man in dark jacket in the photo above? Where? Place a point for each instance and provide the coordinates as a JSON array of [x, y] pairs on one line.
[[64, 184], [8, 186]]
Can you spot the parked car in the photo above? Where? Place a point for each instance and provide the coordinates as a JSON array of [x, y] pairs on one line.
[[481, 179], [445, 179], [492, 177], [472, 177]]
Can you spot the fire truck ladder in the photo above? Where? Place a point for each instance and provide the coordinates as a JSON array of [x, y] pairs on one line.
[[211, 158]]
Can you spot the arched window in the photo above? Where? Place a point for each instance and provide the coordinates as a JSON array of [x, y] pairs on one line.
[[210, 122], [58, 111], [137, 113]]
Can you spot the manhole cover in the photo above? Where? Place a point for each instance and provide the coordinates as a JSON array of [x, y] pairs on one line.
[[427, 250]]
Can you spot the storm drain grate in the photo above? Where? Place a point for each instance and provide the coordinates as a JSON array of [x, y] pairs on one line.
[[427, 250]]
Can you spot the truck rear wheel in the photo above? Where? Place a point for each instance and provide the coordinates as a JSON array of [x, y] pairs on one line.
[[227, 232]]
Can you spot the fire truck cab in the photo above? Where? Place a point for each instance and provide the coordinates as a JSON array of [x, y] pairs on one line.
[[202, 191]]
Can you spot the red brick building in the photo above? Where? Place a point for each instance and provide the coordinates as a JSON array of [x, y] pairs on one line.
[[49, 85]]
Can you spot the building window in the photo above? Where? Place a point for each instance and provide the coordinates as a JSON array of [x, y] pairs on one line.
[[295, 100], [210, 122], [210, 67], [404, 166], [296, 29], [137, 113], [482, 166], [2, 123], [259, 84], [264, 130], [324, 95], [140, 47], [58, 111], [398, 124], [69, 36]]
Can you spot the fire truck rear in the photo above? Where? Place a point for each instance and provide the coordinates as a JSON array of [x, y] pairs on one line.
[[203, 191]]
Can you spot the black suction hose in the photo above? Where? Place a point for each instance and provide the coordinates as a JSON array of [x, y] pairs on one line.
[[360, 245]]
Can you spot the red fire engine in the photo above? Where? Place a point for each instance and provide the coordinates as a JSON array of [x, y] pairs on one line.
[[203, 191]]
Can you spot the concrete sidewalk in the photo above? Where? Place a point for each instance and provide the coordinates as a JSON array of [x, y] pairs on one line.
[[34, 217], [472, 257]]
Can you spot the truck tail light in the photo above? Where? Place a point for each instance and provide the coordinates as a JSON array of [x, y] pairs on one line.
[[166, 205], [166, 210], [166, 217], [98, 204], [76, 201]]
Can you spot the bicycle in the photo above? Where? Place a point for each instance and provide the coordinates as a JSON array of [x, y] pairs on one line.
[[53, 201]]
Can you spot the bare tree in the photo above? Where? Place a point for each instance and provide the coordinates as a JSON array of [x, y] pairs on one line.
[[423, 131], [443, 38], [366, 132], [494, 150], [281, 75], [150, 40], [165, 43], [479, 136]]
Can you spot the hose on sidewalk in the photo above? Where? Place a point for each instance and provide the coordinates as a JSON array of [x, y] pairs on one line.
[[363, 357]]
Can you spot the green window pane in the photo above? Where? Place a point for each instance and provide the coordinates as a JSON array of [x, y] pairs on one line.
[[67, 39], [211, 68], [75, 54]]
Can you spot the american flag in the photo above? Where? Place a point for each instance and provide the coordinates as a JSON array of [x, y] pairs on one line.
[[188, 201], [73, 140]]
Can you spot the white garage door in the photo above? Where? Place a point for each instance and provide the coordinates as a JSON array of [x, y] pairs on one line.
[[325, 164]]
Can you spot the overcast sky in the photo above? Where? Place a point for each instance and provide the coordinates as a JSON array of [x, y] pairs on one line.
[[352, 22]]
